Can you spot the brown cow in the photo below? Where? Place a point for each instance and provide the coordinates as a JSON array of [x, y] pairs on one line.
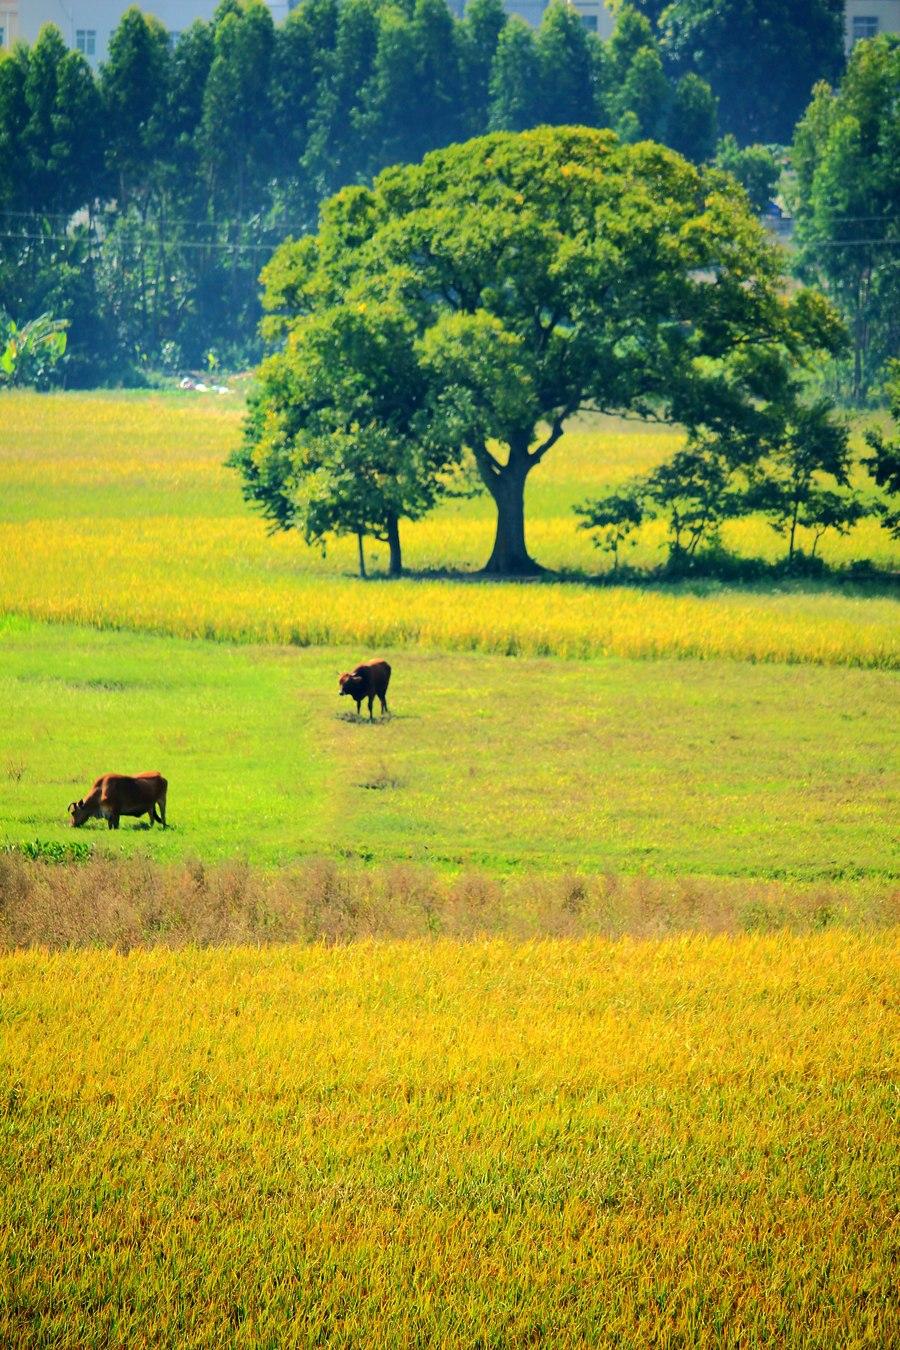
[[116, 794], [368, 679]]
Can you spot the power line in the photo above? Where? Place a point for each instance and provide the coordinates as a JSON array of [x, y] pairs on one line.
[[225, 247], [98, 240], [855, 220], [856, 243], [170, 222]]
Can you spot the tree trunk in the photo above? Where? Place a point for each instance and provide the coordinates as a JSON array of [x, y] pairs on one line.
[[395, 566], [793, 533], [362, 555], [509, 556], [857, 353]]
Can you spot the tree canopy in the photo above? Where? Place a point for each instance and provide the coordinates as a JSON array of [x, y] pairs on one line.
[[537, 275]]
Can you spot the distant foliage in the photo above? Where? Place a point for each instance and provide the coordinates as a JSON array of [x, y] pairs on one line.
[[796, 474], [884, 461], [761, 57], [754, 166], [140, 204], [846, 201]]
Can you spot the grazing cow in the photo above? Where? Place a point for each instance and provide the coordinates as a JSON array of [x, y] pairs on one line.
[[116, 794], [368, 679]]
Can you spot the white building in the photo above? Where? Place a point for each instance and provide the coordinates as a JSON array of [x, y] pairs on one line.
[[596, 15], [87, 25], [868, 18]]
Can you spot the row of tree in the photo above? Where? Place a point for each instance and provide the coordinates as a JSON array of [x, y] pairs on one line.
[[447, 324], [141, 204], [798, 477]]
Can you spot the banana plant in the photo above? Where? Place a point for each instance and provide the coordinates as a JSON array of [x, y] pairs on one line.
[[29, 352]]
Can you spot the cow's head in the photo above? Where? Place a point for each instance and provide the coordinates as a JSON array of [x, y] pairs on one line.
[[79, 812], [352, 685]]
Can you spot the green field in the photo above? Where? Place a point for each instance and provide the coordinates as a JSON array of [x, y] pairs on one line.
[[715, 768], [228, 1116]]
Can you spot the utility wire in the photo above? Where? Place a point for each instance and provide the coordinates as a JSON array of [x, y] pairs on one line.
[[67, 216], [99, 240], [224, 247]]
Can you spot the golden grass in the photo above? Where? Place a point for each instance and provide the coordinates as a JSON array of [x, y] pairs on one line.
[[164, 576], [685, 1142], [118, 512]]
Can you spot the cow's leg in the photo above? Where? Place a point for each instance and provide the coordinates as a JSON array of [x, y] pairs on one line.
[[371, 701], [384, 706], [112, 821], [358, 703], [160, 809]]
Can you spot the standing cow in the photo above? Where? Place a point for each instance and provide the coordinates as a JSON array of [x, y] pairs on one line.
[[116, 794], [368, 680]]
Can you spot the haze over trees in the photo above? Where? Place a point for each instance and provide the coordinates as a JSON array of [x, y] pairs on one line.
[[140, 204], [517, 280]]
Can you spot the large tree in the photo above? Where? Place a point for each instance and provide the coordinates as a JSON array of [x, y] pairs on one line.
[[553, 271]]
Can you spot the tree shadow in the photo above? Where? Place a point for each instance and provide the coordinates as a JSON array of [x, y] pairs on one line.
[[700, 575]]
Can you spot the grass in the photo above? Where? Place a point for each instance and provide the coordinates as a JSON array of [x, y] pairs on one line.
[[679, 1142], [119, 513], [669, 767]]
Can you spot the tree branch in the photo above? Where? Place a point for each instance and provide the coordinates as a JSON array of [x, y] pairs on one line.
[[556, 430], [625, 416], [488, 467]]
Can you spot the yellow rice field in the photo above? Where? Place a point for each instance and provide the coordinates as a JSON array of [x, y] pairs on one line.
[[116, 511], [685, 1142]]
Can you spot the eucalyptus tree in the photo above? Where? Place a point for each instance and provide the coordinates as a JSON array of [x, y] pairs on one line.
[[846, 200], [479, 35], [516, 99], [761, 57]]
